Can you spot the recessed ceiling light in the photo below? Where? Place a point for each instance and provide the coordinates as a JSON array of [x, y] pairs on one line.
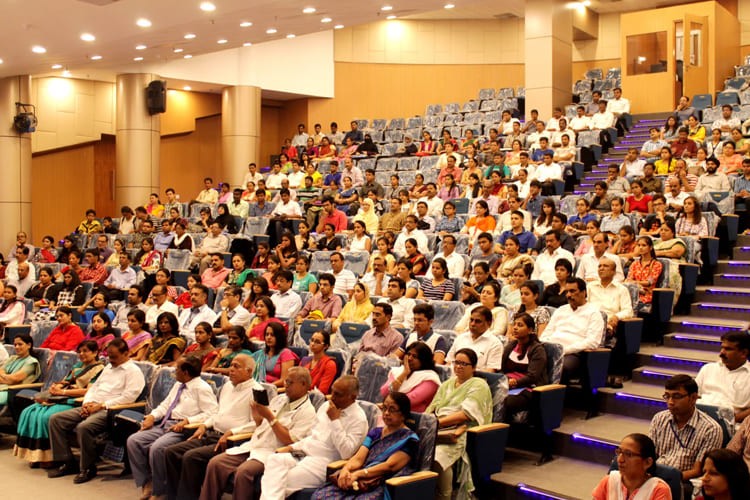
[[189, 36], [391, 17], [38, 49], [1, 61], [271, 31], [247, 44], [208, 7], [178, 50], [57, 66], [309, 10], [222, 41], [96, 57], [338, 26], [326, 20], [138, 59], [66, 74], [140, 47], [245, 24], [448, 6], [187, 87], [187, 56], [87, 37], [291, 35], [143, 23], [386, 8]]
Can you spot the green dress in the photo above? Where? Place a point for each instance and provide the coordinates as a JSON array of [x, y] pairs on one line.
[[29, 365]]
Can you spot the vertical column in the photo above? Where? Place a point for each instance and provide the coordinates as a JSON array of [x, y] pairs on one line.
[[549, 37], [15, 162], [138, 135], [240, 131]]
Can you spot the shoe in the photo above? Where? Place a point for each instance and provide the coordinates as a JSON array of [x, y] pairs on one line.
[[85, 476], [34, 465], [66, 469]]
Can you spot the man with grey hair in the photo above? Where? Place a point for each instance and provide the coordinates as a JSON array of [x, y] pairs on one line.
[[340, 428], [288, 418], [187, 461]]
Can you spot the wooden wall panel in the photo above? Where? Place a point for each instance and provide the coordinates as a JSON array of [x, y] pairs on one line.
[[104, 166], [271, 138]]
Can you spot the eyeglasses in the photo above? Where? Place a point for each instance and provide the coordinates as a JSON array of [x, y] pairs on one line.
[[391, 409], [626, 453], [461, 363], [675, 396]]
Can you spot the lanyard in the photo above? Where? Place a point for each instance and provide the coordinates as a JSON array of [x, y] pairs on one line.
[[677, 437]]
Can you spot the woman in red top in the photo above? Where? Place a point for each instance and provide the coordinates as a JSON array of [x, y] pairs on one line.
[[265, 313], [46, 254], [638, 201], [428, 146], [322, 368], [66, 335], [645, 271]]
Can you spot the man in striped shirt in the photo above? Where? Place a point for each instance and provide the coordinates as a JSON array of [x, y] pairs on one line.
[[682, 433]]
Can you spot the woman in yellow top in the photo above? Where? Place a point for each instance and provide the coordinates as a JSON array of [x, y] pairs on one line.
[[356, 310], [367, 215], [665, 164], [482, 222], [696, 131], [154, 207]]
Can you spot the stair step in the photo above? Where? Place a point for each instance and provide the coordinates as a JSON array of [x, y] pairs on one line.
[[732, 279], [743, 239], [657, 375], [706, 326], [719, 309], [636, 400], [711, 343], [741, 253], [728, 295], [678, 358]]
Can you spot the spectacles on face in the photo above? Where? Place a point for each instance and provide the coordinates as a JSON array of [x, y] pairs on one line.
[[462, 364], [391, 409], [626, 453], [676, 396]]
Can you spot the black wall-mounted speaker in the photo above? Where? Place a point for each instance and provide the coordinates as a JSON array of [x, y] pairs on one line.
[[156, 97]]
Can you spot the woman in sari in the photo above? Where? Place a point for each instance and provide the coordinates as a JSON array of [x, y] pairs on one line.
[[21, 368], [418, 189], [322, 367], [427, 146], [148, 258], [101, 331], [672, 248], [265, 314], [388, 451], [273, 361], [164, 278], [482, 222], [350, 148], [346, 196], [510, 295], [166, 346], [66, 335], [511, 259], [237, 343], [240, 275], [357, 310], [416, 377], [41, 292], [462, 401], [32, 441], [203, 348], [136, 337], [46, 253], [418, 260]]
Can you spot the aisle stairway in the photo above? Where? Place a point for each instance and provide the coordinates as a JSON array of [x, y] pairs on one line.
[[584, 448]]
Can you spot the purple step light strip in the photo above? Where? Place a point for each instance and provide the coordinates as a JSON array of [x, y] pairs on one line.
[[684, 338], [583, 438], [536, 493], [710, 327], [640, 399]]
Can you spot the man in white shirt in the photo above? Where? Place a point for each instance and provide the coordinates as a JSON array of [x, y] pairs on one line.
[[189, 318], [335, 135], [479, 338], [300, 138], [238, 207], [556, 141], [726, 123], [410, 231], [553, 124], [186, 461], [161, 304], [232, 312], [434, 204], [345, 279], [377, 279], [580, 121], [273, 181], [544, 267], [632, 167], [578, 326], [121, 382], [546, 172], [23, 281], [601, 121], [190, 400], [619, 107], [443, 158], [455, 262], [252, 175], [532, 139], [403, 308], [288, 302], [588, 268], [318, 136], [609, 296], [727, 383], [340, 428], [22, 255], [674, 195], [214, 242], [296, 176], [287, 419], [208, 195]]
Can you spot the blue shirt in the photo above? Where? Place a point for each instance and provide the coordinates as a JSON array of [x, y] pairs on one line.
[[741, 183], [538, 154], [331, 177], [256, 210], [586, 219], [534, 206], [525, 238], [162, 241]]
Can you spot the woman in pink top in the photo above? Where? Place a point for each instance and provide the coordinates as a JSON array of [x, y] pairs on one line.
[[416, 377]]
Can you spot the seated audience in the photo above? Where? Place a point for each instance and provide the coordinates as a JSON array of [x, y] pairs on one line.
[[198, 311], [416, 377], [322, 367], [166, 345], [424, 314], [724, 476], [220, 361], [726, 383], [402, 308], [66, 335], [357, 310], [20, 368], [588, 267], [546, 262], [554, 295], [324, 304], [273, 362], [487, 347]]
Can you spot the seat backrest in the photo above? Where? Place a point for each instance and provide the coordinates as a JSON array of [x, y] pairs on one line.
[[356, 262], [426, 427], [317, 399], [554, 361], [59, 367], [730, 98], [321, 261], [352, 332], [447, 314], [633, 291], [663, 281], [372, 373], [177, 259], [149, 372], [486, 94], [310, 326], [498, 383], [255, 225], [670, 475], [215, 380], [163, 381], [723, 416], [372, 411]]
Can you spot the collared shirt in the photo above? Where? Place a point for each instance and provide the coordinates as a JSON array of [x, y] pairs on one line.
[[12, 270], [209, 196], [273, 181], [720, 386], [544, 267], [239, 316], [653, 146], [393, 222], [588, 268], [614, 299], [454, 261], [565, 327], [652, 185], [619, 186], [96, 274], [197, 402], [330, 307], [214, 279], [298, 417], [290, 209], [337, 218], [345, 281], [434, 341], [434, 205], [525, 238], [300, 139], [712, 182], [488, 348], [740, 442], [580, 123], [335, 439], [233, 413], [602, 121], [682, 448], [678, 200], [116, 385], [634, 168], [741, 183], [288, 303], [619, 106], [154, 311], [399, 246], [190, 317], [214, 244], [370, 280], [355, 174], [121, 280], [403, 312], [381, 343], [722, 122], [240, 209], [255, 210], [162, 240], [550, 172]]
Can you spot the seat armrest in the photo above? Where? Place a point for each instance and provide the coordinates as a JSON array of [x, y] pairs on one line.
[[661, 304], [128, 406], [411, 478], [193, 426], [689, 274], [549, 388], [478, 429], [18, 387], [335, 466], [236, 439]]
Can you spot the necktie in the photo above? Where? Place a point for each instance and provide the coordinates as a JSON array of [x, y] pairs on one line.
[[176, 400]]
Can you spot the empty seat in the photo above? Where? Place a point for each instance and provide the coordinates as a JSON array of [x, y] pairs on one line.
[[452, 107], [414, 122], [433, 109], [505, 93], [594, 74], [728, 97], [366, 163], [428, 162], [387, 163], [397, 124], [408, 163], [702, 101], [356, 262]]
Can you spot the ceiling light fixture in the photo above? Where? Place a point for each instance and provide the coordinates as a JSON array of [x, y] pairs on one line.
[[57, 66], [291, 35], [187, 56], [245, 24], [338, 27], [96, 57], [189, 36], [308, 10], [187, 87], [271, 31], [448, 6], [143, 23], [247, 44], [391, 17], [208, 7], [386, 8], [326, 20], [1, 61], [177, 50], [38, 49], [66, 74], [140, 47], [222, 41], [87, 37], [138, 59]]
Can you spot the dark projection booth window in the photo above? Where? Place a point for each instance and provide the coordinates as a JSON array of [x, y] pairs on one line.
[[647, 53]]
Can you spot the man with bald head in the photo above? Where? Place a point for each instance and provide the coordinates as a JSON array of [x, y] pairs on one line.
[[340, 428], [288, 418], [23, 280], [610, 296], [187, 461]]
